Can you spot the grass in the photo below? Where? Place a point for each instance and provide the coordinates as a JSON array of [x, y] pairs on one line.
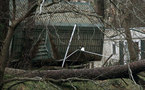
[[113, 84]]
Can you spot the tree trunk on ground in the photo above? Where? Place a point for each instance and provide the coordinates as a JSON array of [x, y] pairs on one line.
[[102, 73]]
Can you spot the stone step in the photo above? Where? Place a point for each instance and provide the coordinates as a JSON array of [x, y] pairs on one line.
[[42, 46], [40, 58], [42, 50], [42, 53]]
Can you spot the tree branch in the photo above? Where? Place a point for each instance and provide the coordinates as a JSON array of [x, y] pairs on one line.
[[100, 73], [14, 10], [30, 11]]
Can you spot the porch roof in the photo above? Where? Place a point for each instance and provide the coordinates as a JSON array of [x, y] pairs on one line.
[[68, 14]]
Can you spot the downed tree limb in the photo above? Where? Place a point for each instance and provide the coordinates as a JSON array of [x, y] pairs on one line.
[[48, 79], [22, 79], [13, 71], [101, 73]]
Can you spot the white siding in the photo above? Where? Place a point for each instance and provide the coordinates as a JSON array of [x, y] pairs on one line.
[[108, 49]]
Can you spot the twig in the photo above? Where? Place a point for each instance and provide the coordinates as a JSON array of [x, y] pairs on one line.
[[130, 73], [41, 5], [9, 88], [107, 60], [23, 79], [72, 85], [124, 81], [55, 86]]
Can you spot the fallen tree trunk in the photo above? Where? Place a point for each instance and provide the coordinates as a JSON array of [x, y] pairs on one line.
[[101, 73]]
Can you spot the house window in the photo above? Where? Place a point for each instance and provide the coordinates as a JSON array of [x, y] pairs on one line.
[[136, 48], [114, 48], [121, 54], [142, 49]]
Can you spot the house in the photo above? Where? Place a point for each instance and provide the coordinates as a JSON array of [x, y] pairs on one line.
[[116, 45], [52, 30]]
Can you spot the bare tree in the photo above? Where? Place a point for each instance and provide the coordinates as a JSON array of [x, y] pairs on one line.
[[126, 14], [4, 23], [98, 73], [4, 57]]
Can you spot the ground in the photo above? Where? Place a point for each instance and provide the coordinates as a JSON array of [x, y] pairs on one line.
[[112, 84]]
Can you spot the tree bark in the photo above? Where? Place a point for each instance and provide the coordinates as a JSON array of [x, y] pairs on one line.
[[99, 7], [4, 22], [131, 46], [4, 57], [102, 73], [5, 53], [4, 19]]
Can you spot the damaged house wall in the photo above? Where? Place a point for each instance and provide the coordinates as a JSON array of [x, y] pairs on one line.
[[57, 25]]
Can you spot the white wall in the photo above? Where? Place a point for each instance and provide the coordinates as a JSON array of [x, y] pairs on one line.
[[108, 44]]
